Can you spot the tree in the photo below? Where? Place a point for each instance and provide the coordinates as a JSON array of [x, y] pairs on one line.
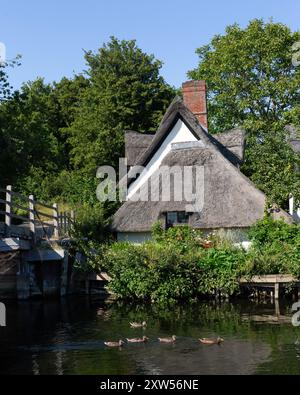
[[5, 87], [252, 82], [33, 150], [125, 92], [28, 128]]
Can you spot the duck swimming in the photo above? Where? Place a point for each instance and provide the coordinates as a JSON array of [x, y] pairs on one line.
[[114, 344], [144, 339], [205, 340], [167, 339]]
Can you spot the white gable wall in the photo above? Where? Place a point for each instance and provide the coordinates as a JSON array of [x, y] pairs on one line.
[[294, 212], [179, 134]]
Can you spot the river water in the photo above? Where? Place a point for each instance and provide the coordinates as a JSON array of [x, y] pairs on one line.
[[67, 337]]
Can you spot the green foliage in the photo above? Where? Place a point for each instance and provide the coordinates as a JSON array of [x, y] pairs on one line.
[[27, 133], [171, 268], [221, 267], [125, 92], [271, 164], [54, 136], [276, 248], [175, 266], [266, 231], [253, 83], [5, 87], [250, 74], [91, 222]]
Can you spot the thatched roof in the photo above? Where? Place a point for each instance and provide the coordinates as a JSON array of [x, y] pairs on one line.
[[231, 200], [177, 110], [234, 141], [231, 142], [135, 144]]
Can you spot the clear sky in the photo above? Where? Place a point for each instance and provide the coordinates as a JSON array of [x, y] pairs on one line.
[[51, 35]]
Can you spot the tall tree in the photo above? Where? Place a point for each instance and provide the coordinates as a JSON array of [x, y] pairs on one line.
[[126, 91], [33, 146], [252, 82], [27, 133]]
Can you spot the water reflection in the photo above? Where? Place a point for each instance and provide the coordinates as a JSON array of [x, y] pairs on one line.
[[67, 337]]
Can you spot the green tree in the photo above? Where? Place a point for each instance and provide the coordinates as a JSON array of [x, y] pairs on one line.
[[28, 133], [34, 153], [125, 91], [5, 87], [253, 83]]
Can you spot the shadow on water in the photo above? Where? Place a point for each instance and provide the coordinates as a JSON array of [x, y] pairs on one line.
[[67, 337]]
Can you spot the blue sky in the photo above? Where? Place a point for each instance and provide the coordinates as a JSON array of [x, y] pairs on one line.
[[51, 35]]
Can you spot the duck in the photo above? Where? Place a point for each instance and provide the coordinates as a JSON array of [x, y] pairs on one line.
[[144, 339], [115, 344], [167, 339], [138, 324], [205, 340]]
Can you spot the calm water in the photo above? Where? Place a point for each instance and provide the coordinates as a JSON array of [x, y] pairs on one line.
[[67, 338]]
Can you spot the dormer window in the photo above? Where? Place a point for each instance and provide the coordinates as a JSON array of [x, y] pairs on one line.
[[174, 218]]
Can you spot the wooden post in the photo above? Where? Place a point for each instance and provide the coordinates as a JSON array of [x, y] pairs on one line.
[[32, 217], [8, 208], [65, 223], [277, 308], [276, 289], [55, 220], [72, 222]]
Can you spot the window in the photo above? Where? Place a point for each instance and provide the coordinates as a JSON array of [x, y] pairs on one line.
[[177, 217]]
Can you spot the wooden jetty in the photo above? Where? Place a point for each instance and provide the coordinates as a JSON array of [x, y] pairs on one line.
[[272, 284]]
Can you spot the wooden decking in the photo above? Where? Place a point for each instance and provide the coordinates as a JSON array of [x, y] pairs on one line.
[[272, 283]]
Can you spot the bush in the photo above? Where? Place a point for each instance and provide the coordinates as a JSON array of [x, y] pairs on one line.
[[172, 267], [175, 266], [268, 231], [275, 250]]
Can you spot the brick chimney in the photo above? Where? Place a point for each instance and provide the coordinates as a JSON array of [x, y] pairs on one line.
[[194, 97]]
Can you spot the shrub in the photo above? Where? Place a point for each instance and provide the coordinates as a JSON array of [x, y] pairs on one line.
[[276, 248], [175, 266], [172, 267], [268, 231]]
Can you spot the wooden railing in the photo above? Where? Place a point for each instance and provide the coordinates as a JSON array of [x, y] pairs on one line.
[[38, 214]]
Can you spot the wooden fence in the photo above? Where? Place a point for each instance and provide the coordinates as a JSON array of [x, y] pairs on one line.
[[36, 214]]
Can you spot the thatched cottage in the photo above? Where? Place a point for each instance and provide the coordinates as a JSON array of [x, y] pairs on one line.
[[229, 200]]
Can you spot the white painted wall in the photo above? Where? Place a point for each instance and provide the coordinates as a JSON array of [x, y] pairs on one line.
[[134, 237], [179, 134], [295, 213], [239, 237]]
